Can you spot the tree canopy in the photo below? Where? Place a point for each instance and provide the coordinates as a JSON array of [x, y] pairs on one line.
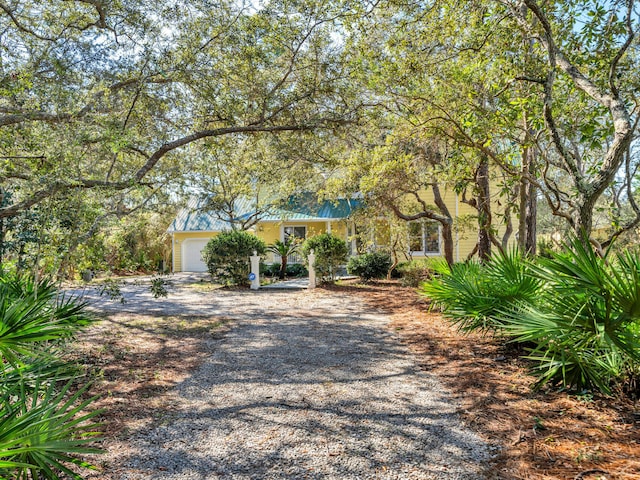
[[114, 106]]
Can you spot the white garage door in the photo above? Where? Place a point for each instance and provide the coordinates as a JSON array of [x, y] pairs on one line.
[[191, 259]]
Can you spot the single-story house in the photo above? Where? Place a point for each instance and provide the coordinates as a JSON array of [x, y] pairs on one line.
[[303, 216], [300, 216]]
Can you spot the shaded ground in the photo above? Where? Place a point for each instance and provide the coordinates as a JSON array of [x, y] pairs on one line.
[[544, 435], [296, 385]]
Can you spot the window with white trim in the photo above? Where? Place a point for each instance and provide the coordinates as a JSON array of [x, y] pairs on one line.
[[298, 233], [424, 238]]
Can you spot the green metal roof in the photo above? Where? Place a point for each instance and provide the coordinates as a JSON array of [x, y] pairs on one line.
[[195, 218]]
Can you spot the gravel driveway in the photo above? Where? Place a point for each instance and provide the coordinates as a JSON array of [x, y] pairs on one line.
[[306, 384]]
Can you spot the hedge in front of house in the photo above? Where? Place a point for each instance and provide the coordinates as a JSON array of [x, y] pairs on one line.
[[370, 265], [227, 256]]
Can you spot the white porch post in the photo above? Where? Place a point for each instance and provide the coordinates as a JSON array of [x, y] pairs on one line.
[[352, 227], [328, 227]]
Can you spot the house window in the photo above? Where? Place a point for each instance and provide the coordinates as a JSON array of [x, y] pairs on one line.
[[297, 233], [424, 238]]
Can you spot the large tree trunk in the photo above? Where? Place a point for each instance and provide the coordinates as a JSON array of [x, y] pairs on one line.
[[447, 240], [584, 217], [531, 244], [447, 226], [524, 197], [484, 209], [2, 243], [527, 225]]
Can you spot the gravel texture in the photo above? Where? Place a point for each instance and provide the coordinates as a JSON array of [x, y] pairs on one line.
[[305, 384]]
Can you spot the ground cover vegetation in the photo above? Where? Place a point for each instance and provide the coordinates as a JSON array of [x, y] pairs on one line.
[[575, 314], [294, 270], [46, 421]]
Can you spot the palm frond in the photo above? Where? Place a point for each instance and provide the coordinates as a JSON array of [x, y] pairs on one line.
[[41, 432]]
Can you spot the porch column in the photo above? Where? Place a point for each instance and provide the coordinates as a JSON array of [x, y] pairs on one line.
[[351, 232], [328, 227]]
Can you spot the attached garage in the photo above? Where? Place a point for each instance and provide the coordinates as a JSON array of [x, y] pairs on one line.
[[190, 232], [301, 217], [192, 255]]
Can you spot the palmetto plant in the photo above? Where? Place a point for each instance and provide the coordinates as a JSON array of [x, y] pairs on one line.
[[284, 249], [43, 422], [473, 295], [584, 324], [580, 312], [42, 429]]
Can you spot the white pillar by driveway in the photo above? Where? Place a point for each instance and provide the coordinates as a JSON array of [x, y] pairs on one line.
[[312, 269], [254, 276]]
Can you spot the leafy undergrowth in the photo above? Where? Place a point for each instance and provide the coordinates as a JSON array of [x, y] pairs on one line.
[[535, 435]]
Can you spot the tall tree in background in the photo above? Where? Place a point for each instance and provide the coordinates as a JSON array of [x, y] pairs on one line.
[[590, 51], [404, 175], [432, 73], [514, 80]]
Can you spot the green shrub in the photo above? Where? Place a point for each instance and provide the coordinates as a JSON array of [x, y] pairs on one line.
[[475, 295], [293, 270], [414, 272], [584, 322], [331, 252], [297, 270], [44, 424], [370, 265], [579, 312], [227, 256], [271, 270]]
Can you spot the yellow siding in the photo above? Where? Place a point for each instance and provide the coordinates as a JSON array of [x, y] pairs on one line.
[[339, 229], [269, 232], [313, 228], [465, 223], [466, 232], [382, 234]]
